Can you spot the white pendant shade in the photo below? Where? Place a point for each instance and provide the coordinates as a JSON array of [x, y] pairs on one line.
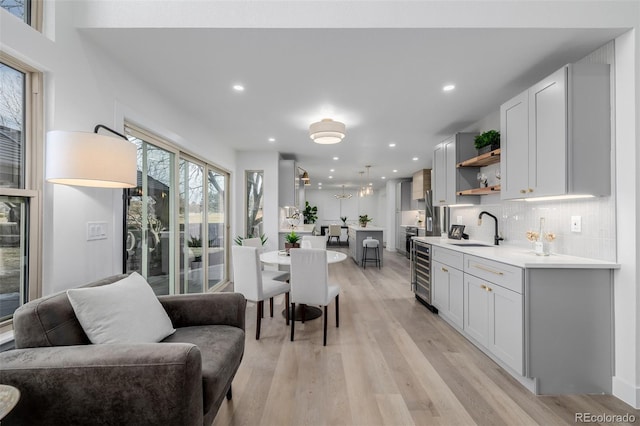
[[327, 131], [90, 159]]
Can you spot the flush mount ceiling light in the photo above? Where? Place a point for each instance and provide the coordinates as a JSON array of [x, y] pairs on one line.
[[91, 159], [327, 131], [343, 196]]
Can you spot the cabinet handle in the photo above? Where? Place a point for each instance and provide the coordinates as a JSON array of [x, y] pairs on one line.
[[484, 268], [530, 190], [444, 269], [489, 288], [482, 286], [442, 201], [522, 191]]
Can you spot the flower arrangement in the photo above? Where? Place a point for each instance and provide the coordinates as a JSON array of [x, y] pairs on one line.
[[541, 240], [343, 219]]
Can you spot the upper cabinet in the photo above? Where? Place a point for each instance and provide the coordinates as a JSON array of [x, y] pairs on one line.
[[556, 136], [288, 184], [449, 180], [421, 184]]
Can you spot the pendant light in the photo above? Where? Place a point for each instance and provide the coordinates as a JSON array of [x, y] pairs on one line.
[[343, 196]]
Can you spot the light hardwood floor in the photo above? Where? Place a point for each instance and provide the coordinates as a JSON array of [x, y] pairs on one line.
[[391, 362]]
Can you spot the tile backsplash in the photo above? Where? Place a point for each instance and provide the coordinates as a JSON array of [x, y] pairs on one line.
[[515, 218]]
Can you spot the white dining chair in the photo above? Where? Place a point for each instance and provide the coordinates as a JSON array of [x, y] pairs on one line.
[[335, 231], [310, 283], [248, 280], [266, 274], [318, 241]]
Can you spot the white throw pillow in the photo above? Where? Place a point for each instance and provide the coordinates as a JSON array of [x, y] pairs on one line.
[[126, 311]]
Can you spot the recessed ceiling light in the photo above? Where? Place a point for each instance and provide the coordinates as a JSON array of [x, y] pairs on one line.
[[392, 145], [330, 177], [448, 88], [336, 158], [238, 87], [272, 139], [319, 183], [332, 170], [383, 177], [415, 158], [395, 171]]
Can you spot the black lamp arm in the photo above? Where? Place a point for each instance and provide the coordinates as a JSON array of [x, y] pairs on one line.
[[95, 130]]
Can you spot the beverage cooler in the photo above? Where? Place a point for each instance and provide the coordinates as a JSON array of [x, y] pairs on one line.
[[421, 272]]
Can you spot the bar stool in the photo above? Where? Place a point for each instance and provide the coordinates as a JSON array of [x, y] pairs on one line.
[[370, 243]]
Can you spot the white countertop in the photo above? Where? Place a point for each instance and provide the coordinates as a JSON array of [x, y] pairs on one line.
[[367, 228], [300, 229], [517, 256]]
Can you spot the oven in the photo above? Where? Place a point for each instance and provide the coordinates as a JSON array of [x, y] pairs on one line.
[[410, 231], [421, 273]]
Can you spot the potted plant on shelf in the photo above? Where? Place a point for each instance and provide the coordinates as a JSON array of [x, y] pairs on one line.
[[487, 141], [310, 213], [364, 219], [344, 220], [291, 241]]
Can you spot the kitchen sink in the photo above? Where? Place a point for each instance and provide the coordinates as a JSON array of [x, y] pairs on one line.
[[470, 245]]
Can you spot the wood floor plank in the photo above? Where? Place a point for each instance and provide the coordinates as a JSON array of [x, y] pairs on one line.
[[391, 362]]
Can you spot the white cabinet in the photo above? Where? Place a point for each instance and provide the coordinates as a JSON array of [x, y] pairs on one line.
[[289, 184], [447, 179], [493, 313], [556, 135], [447, 279]]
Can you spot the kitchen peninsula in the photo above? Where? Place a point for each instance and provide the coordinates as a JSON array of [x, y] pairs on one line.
[[357, 234], [546, 319], [306, 229]]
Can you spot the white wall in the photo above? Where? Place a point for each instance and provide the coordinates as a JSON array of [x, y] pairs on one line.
[[84, 88], [330, 209]]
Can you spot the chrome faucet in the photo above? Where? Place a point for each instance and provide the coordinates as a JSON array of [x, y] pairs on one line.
[[496, 237]]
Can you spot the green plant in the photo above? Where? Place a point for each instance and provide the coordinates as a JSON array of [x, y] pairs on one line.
[[343, 219], [194, 242], [238, 239], [292, 237], [364, 219], [310, 213], [490, 137]]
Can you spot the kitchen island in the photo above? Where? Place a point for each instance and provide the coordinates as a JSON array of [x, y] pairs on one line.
[[547, 320], [306, 229], [357, 234]]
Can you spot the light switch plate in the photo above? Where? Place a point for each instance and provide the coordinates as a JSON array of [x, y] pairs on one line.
[[576, 223], [96, 231]]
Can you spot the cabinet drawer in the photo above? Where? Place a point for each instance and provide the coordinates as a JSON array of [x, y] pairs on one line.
[[507, 276], [448, 257]]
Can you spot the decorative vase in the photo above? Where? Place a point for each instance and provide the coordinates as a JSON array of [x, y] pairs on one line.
[[288, 246]]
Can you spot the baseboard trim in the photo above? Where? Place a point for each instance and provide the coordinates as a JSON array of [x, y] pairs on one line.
[[626, 392]]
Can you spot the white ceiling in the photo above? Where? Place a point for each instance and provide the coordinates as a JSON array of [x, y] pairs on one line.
[[384, 84]]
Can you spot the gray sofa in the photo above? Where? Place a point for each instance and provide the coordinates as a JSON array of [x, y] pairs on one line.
[[66, 380]]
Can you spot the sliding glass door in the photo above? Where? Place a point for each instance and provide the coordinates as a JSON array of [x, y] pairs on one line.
[[149, 241], [176, 219]]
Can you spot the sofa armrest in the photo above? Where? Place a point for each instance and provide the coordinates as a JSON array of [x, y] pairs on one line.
[[150, 383], [205, 309]]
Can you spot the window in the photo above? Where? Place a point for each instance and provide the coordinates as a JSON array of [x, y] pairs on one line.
[[20, 116], [176, 219], [29, 11], [254, 203]]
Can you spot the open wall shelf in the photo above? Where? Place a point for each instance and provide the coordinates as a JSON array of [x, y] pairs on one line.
[[487, 159], [481, 191]]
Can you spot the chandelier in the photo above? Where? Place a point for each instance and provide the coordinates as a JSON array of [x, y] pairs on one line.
[[327, 131], [365, 190], [343, 196]]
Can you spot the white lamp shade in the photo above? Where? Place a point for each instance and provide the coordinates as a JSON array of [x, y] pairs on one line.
[[327, 131], [90, 159]]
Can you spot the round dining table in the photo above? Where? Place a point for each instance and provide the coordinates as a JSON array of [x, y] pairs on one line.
[[280, 257]]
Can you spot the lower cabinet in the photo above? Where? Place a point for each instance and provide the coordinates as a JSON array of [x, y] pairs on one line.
[[448, 292], [493, 316]]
